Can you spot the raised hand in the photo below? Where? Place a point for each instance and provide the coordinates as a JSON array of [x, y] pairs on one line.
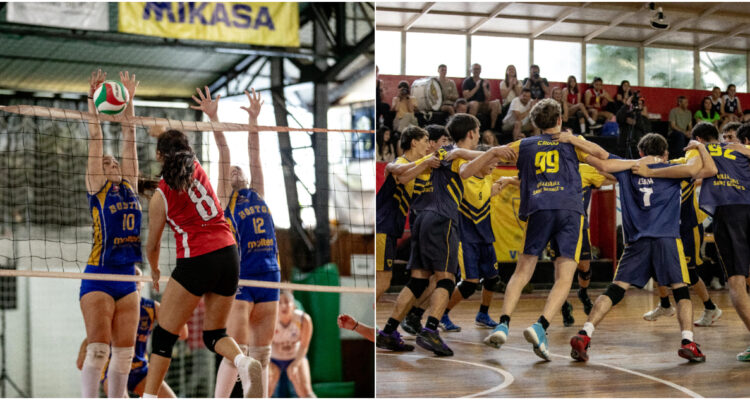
[[255, 103], [346, 322], [130, 83], [97, 77], [209, 106]]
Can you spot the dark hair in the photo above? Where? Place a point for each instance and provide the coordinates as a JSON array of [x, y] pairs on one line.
[[711, 111], [545, 114], [732, 126], [460, 101], [460, 125], [731, 85], [596, 79], [743, 132], [620, 90], [147, 186], [525, 90], [409, 134], [178, 156], [706, 131], [534, 66], [652, 144], [380, 141], [574, 89], [442, 65], [436, 131], [680, 98]]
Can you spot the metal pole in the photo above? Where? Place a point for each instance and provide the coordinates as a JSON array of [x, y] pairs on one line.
[[320, 147]]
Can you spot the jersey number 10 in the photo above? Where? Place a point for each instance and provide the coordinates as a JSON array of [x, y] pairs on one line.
[[547, 161], [128, 222]]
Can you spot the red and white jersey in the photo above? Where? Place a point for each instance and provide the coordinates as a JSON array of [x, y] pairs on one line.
[[286, 338], [196, 217]]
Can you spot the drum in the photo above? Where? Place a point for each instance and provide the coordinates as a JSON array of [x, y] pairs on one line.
[[428, 94]]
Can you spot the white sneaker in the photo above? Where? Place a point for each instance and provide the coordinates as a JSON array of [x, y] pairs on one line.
[[657, 312], [715, 284], [251, 375], [709, 317]]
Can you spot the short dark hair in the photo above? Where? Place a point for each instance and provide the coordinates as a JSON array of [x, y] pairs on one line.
[[436, 131], [706, 131], [743, 133], [732, 126], [525, 90], [680, 98], [411, 133], [545, 114], [460, 101], [534, 66], [731, 85], [403, 84], [442, 65], [460, 125], [597, 79], [652, 144]]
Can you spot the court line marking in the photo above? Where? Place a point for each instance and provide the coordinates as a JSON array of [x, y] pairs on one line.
[[630, 371], [508, 377]]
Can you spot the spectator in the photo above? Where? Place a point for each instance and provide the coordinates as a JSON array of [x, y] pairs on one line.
[[405, 105], [729, 132], [556, 95], [680, 126], [381, 107], [461, 106], [623, 92], [573, 104], [386, 149], [438, 137], [598, 101], [538, 85], [477, 92], [707, 113], [510, 87], [448, 87], [633, 125], [732, 110], [489, 138], [517, 121], [716, 101]]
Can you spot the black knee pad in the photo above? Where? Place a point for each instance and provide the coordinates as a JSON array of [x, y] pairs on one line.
[[681, 293], [467, 288], [447, 284], [491, 283], [584, 275], [210, 338], [615, 293], [693, 273], [418, 286], [162, 342]]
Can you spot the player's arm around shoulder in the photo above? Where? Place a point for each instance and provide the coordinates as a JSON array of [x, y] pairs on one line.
[[583, 147], [493, 155], [406, 172]]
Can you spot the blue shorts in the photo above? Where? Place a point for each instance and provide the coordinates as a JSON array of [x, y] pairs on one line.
[[691, 243], [135, 377], [477, 260], [585, 246], [658, 258], [256, 294], [385, 251], [434, 243], [282, 364], [562, 227], [115, 289]]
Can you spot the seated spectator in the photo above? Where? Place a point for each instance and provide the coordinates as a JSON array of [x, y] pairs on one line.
[[384, 115], [510, 88], [539, 86], [729, 132], [680, 126], [707, 113], [461, 106], [572, 97], [405, 105], [386, 150], [518, 120], [731, 110], [477, 92], [489, 138], [623, 92], [716, 101], [556, 95], [633, 125], [598, 101], [448, 88]]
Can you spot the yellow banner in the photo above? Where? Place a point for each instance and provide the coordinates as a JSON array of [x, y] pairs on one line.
[[506, 226], [267, 24]]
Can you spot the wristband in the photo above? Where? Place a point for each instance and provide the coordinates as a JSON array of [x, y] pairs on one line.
[[355, 326]]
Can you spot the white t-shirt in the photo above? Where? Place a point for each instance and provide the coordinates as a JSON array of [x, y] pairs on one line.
[[286, 338], [516, 105]]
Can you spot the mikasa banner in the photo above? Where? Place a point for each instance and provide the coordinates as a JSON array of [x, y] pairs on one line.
[[269, 24], [88, 16]]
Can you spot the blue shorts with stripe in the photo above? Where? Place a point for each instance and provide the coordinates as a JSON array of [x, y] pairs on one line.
[[564, 227], [477, 260], [136, 376], [585, 246], [434, 243], [115, 289], [692, 238], [660, 258], [257, 294]]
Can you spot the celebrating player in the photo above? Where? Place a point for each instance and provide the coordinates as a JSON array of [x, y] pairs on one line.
[[290, 343]]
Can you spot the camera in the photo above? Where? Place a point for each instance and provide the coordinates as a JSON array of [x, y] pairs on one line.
[[404, 91], [636, 103], [536, 75]]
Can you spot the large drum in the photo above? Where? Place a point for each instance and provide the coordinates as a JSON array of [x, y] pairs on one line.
[[428, 94]]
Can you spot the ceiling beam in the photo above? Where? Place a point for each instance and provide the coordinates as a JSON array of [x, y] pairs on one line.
[[614, 23], [560, 18], [500, 7], [427, 7], [685, 22], [717, 39]]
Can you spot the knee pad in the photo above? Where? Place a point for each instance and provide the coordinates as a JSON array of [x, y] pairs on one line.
[[244, 348], [466, 288], [97, 355], [210, 338], [693, 273], [681, 293], [584, 275], [446, 284], [122, 358], [615, 293], [418, 286], [491, 283], [162, 342], [260, 353]]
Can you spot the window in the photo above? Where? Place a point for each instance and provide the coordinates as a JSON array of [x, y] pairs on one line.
[[668, 68], [721, 69], [494, 54], [425, 51], [611, 63], [557, 60], [388, 52]]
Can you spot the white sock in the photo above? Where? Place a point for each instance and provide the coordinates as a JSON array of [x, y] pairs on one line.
[[119, 369], [589, 328], [96, 357], [225, 379], [149, 396], [687, 335], [583, 128], [262, 354]]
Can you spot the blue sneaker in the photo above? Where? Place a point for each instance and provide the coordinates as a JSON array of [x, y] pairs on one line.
[[498, 336], [483, 320], [447, 325], [537, 336]]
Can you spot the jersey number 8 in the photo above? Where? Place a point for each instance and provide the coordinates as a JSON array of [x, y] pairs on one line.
[[207, 212], [547, 161]]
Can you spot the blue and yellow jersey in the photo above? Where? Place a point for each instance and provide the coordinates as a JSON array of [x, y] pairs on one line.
[[445, 190], [690, 214], [145, 326], [393, 200], [550, 179], [650, 206], [731, 185], [476, 224], [116, 216], [252, 225], [590, 178]]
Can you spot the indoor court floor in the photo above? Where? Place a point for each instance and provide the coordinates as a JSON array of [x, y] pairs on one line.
[[629, 357]]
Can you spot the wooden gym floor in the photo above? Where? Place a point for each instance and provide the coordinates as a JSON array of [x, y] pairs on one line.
[[629, 357]]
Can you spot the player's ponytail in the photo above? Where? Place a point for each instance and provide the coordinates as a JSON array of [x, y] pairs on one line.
[[178, 157]]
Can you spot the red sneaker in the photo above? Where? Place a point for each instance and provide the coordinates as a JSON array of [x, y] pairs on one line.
[[691, 352], [579, 344]]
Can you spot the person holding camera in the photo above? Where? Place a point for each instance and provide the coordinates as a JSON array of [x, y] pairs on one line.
[[539, 86], [633, 125], [405, 105], [477, 92]]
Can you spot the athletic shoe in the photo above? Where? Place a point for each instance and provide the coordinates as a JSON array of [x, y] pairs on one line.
[[251, 375], [447, 325], [586, 301], [392, 342], [498, 336], [537, 336], [430, 340], [483, 320], [709, 317], [657, 312], [595, 126], [744, 356], [715, 284], [567, 314], [579, 347], [691, 352], [411, 324]]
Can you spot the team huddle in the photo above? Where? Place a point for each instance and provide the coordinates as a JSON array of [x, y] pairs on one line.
[[445, 193]]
